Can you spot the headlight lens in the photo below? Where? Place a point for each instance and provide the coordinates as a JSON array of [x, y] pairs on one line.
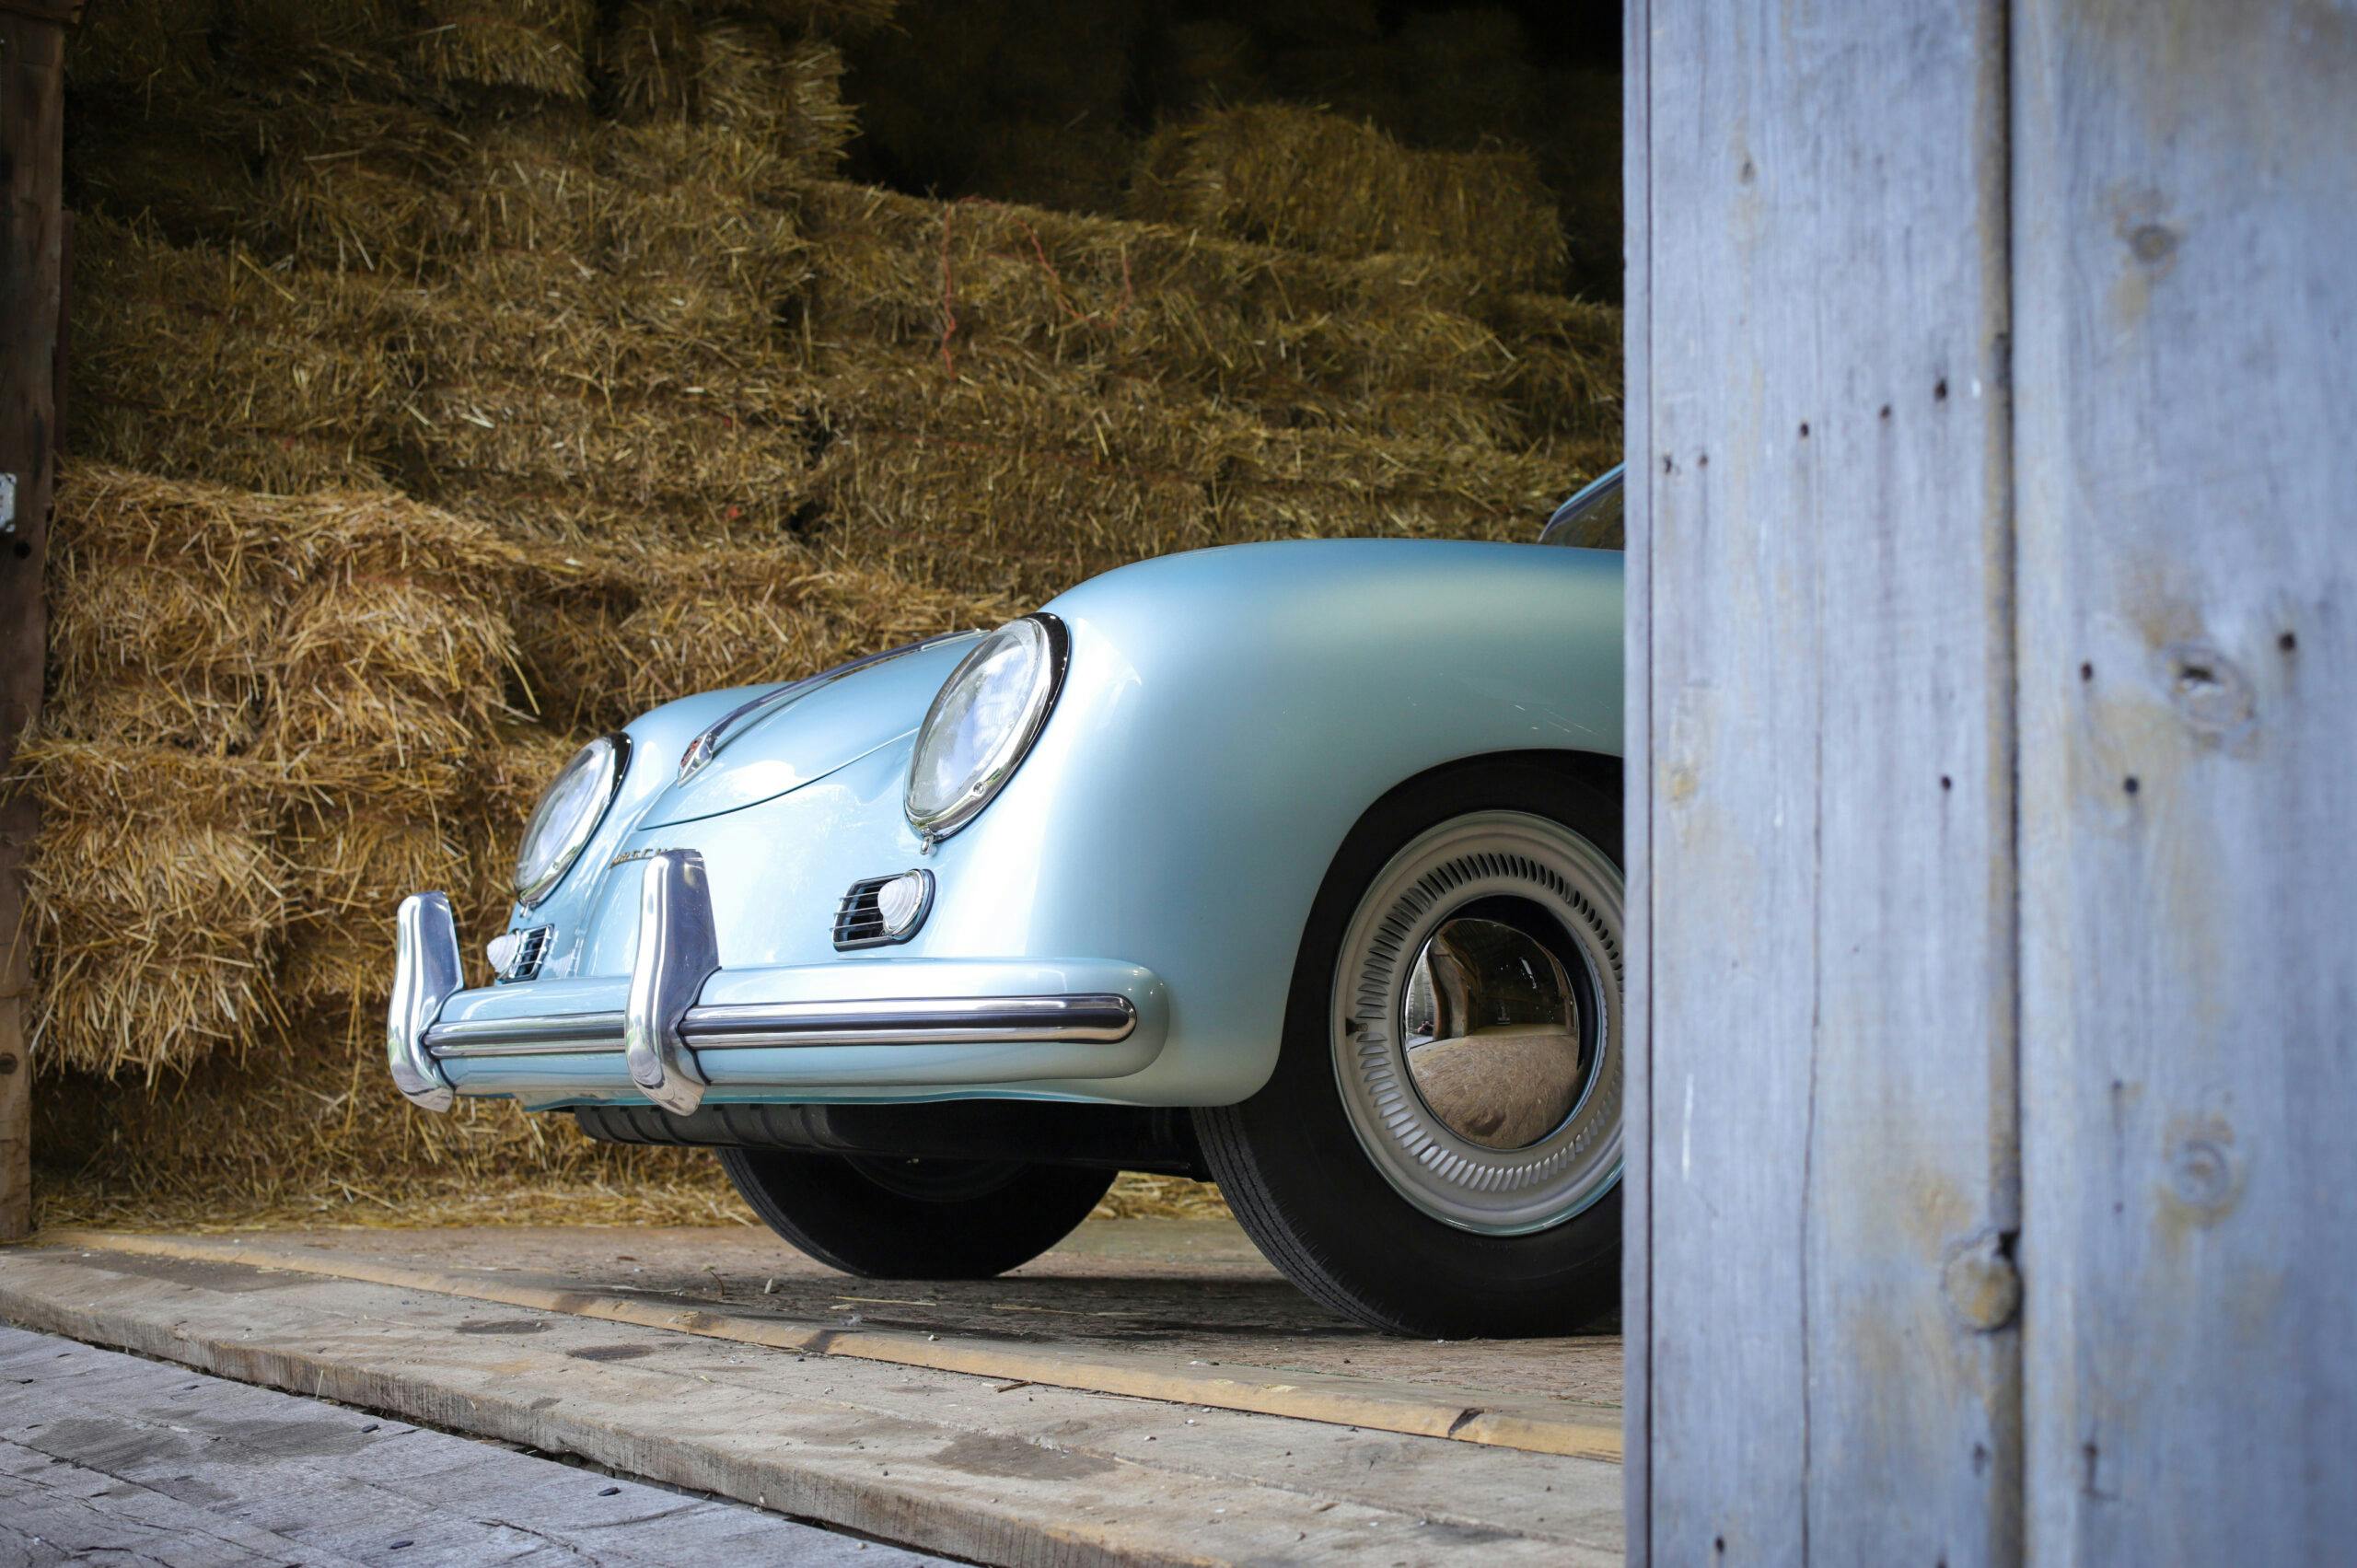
[[984, 721], [569, 811]]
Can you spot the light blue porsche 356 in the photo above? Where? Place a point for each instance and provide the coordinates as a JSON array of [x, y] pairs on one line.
[[1291, 865]]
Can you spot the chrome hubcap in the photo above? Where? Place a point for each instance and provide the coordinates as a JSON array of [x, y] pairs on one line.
[[1475, 1023]]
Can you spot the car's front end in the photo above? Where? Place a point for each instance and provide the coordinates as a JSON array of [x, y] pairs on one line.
[[1109, 842], [930, 945], [733, 899]]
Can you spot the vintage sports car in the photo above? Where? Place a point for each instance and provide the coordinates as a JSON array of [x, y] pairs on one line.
[[1292, 865]]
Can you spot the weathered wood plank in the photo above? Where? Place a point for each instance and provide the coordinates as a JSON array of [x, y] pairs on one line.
[[1636, 822], [109, 1454], [31, 143], [1821, 536], [1491, 1416], [2186, 292]]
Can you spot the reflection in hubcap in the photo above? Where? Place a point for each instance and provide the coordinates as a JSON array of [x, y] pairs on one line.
[[1473, 1022], [1491, 1030]]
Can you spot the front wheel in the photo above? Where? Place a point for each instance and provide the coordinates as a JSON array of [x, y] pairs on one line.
[[1438, 1152], [915, 1219]]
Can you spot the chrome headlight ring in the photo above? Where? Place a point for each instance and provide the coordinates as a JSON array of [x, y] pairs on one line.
[[983, 723], [568, 814]]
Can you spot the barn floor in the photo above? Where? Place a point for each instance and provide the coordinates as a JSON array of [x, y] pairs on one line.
[[1148, 1392]]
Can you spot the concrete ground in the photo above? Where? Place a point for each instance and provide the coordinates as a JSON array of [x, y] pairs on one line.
[[1149, 1392], [110, 1458]]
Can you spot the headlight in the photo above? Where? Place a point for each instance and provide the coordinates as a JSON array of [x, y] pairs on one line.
[[984, 720], [569, 811]]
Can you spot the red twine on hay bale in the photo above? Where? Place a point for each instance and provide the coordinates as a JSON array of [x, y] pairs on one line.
[[1040, 254]]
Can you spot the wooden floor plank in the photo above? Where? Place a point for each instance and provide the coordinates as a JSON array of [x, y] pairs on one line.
[[1000, 1471], [1492, 1416]]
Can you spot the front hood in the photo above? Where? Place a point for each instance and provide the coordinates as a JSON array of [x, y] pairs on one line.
[[832, 721]]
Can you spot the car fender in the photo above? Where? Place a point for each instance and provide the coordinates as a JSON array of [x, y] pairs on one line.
[[1226, 717]]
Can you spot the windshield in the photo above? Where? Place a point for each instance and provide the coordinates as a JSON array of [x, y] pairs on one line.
[[1590, 520]]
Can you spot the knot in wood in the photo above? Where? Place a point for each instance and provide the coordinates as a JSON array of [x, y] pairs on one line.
[[2209, 691], [2152, 242], [1982, 1287]]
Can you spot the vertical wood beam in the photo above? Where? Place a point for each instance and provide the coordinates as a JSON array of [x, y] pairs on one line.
[[1636, 818], [31, 140], [1820, 687], [2186, 282]]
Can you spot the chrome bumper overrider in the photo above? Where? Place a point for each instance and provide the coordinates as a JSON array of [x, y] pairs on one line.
[[663, 1026]]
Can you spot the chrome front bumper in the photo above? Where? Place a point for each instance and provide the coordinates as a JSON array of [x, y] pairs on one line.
[[664, 1030]]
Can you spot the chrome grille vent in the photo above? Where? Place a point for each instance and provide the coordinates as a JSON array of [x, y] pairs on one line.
[[531, 950], [860, 920]]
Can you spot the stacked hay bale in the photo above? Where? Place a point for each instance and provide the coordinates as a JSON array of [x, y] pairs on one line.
[[159, 899], [1241, 172], [454, 382], [297, 688]]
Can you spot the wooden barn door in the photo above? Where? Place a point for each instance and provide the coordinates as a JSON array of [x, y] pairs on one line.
[[1992, 698], [2185, 227]]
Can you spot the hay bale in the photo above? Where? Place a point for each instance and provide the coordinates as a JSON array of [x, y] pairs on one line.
[[351, 859], [568, 627], [1014, 491], [748, 617], [383, 684], [1304, 179], [704, 206], [1567, 376], [156, 899], [1309, 484], [1005, 293], [533, 46], [159, 613], [634, 259], [647, 55], [365, 184], [1517, 486], [787, 96], [664, 63], [388, 638], [312, 1132], [153, 653], [350, 862], [531, 185], [203, 363], [641, 628], [717, 463], [1025, 491], [1142, 1195]]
